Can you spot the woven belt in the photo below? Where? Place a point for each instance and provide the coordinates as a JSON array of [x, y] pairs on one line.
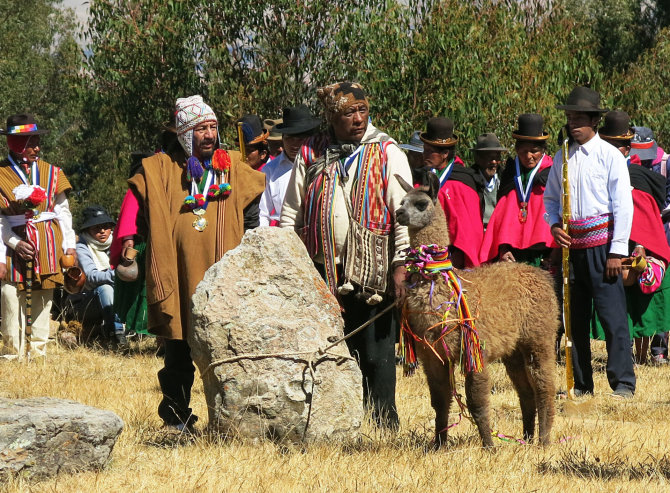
[[591, 232]]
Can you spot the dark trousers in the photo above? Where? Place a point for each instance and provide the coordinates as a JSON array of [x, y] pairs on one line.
[[659, 344], [176, 380], [590, 288], [374, 349]]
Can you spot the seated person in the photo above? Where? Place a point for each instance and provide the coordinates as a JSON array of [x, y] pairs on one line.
[[96, 302]]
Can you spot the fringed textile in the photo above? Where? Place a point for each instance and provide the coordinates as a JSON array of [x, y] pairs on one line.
[[367, 167], [432, 262]]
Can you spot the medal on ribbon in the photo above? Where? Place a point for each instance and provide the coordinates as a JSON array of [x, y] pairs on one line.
[[523, 193], [523, 213]]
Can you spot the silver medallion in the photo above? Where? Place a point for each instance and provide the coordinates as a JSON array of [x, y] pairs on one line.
[[200, 223], [199, 212]]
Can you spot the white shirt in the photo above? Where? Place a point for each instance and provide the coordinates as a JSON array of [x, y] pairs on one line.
[[62, 210], [277, 174], [599, 184]]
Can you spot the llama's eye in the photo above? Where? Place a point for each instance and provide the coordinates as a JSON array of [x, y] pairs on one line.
[[422, 205]]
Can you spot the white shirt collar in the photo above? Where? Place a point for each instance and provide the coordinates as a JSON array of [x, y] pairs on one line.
[[591, 145]]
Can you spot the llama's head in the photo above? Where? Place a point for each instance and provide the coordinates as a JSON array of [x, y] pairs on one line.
[[417, 208]]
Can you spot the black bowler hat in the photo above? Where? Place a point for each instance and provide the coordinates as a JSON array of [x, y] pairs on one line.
[[617, 126], [297, 120], [488, 142], [439, 132], [253, 130], [529, 127], [22, 125], [583, 99], [95, 215]]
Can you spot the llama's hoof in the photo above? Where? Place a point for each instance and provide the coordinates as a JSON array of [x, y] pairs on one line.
[[346, 288]]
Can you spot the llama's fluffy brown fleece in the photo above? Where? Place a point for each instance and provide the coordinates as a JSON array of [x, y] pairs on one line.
[[516, 317]]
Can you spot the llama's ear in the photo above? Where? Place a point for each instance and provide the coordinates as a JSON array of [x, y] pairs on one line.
[[433, 185], [406, 186]]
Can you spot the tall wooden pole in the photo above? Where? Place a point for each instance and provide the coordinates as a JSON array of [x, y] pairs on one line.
[[569, 376]]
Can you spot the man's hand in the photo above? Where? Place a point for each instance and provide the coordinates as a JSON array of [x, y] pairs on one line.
[[399, 282], [506, 255], [73, 252], [25, 250], [3, 270], [613, 267], [560, 237]]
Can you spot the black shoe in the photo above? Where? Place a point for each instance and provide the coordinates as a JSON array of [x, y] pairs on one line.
[[622, 393]]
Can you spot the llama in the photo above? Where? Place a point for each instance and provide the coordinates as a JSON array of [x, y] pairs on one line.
[[516, 315]]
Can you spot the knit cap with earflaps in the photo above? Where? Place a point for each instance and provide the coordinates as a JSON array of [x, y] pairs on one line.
[[189, 113]]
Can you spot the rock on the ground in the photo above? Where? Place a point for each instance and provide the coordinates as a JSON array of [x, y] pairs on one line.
[[42, 436], [266, 297]]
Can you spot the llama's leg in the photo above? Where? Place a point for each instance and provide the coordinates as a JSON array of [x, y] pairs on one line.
[[477, 391], [439, 385], [541, 370], [516, 369]]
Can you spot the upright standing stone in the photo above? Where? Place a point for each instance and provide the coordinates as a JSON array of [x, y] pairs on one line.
[[266, 298]]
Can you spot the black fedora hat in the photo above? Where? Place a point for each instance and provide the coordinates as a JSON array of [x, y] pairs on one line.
[[252, 129], [297, 120], [529, 127], [617, 126], [21, 125], [439, 132], [488, 142], [94, 215], [583, 99]]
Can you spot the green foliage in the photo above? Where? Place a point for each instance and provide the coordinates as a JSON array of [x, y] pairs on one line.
[[644, 89], [623, 28], [142, 58]]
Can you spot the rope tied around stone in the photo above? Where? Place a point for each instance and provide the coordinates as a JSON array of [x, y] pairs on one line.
[[315, 354]]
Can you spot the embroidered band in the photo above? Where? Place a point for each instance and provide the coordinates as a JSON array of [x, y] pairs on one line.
[[591, 232], [22, 129]]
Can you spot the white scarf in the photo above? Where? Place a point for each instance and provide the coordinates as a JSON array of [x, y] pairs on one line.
[[99, 251]]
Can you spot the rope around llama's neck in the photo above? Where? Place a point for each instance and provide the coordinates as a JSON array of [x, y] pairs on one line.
[[432, 262]]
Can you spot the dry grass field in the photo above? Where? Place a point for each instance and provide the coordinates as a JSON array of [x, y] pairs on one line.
[[599, 444]]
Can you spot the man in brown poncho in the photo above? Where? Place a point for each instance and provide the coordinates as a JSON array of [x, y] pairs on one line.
[[196, 205]]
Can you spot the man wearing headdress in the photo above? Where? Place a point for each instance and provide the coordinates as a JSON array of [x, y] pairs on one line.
[[37, 226], [601, 214], [349, 171], [461, 191], [193, 201]]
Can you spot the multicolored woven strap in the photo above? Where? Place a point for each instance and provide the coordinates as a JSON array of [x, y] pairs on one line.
[[432, 262], [591, 232], [22, 129]]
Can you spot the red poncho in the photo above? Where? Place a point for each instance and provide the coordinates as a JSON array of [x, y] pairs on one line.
[[505, 226], [461, 202]]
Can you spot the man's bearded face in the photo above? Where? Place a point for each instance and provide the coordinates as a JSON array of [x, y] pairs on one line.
[[204, 140]]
